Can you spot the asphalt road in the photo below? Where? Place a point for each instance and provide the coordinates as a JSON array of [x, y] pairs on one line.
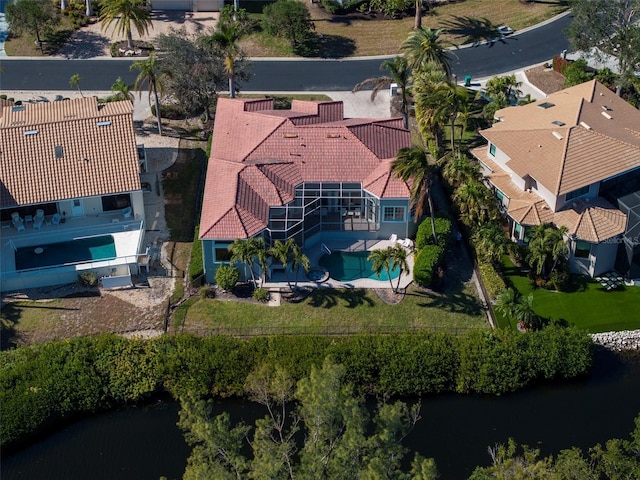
[[508, 54]]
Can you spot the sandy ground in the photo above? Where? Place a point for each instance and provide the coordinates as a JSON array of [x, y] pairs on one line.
[[94, 42]]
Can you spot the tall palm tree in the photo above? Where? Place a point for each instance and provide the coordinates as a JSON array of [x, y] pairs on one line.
[[399, 74], [298, 259], [124, 13], [74, 81], [88, 11], [415, 165], [281, 251], [381, 259], [476, 203], [122, 90], [226, 37], [424, 45], [429, 116], [245, 251], [149, 74], [459, 169], [453, 100], [399, 261]]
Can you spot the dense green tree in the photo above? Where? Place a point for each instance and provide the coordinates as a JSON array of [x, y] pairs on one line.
[[227, 277], [37, 17], [340, 438], [459, 169], [611, 26], [415, 164], [576, 73], [192, 71], [398, 74], [149, 73], [476, 203], [423, 46], [289, 19], [490, 242], [123, 14]]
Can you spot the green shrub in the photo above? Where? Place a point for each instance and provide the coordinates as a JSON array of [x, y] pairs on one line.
[[560, 279], [492, 281], [425, 264], [88, 278], [331, 6], [289, 19], [227, 277], [261, 294], [196, 266], [424, 236]]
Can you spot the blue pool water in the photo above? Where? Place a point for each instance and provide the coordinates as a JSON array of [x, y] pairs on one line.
[[348, 266], [74, 251]]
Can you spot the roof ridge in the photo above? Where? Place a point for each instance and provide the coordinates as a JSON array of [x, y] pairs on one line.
[[564, 160]]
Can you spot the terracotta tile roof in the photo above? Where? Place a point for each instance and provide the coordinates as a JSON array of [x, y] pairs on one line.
[[594, 220], [598, 136], [69, 149], [259, 155]]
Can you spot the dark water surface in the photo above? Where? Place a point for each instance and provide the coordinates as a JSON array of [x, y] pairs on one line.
[[144, 443]]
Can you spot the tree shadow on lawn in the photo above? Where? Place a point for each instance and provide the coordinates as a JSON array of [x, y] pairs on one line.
[[454, 301], [470, 29], [332, 297], [327, 46]]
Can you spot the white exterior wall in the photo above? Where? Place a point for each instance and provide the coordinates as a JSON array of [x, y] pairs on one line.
[[594, 190], [546, 195]]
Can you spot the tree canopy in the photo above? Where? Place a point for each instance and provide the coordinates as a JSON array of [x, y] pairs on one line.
[[289, 19], [37, 17], [123, 14]]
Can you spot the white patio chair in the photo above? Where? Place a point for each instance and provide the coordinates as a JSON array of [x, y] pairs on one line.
[[38, 219], [393, 238], [55, 219]]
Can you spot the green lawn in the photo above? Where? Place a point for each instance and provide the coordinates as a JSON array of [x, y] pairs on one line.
[[588, 306], [341, 311]]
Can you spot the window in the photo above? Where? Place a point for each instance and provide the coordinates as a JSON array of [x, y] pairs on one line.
[[577, 193], [115, 202], [393, 214], [492, 150], [582, 249], [223, 254]]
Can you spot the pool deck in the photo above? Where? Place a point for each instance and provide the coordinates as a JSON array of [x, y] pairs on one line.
[[278, 280]]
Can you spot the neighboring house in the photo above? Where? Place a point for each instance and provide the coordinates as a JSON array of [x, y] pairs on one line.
[[188, 5], [306, 173], [70, 193], [572, 159]]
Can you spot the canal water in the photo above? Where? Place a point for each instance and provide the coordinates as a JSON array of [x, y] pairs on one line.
[[145, 443]]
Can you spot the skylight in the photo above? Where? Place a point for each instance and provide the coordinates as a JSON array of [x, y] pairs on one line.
[[546, 105], [30, 132], [58, 151], [558, 123], [18, 108], [105, 123]]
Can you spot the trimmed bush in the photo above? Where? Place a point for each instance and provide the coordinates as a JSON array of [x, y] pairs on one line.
[[261, 294], [227, 277], [425, 264], [424, 236], [492, 281]]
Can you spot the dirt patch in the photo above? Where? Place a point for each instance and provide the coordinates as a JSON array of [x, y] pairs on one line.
[[387, 295], [546, 79]]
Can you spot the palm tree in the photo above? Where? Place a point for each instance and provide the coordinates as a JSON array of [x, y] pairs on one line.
[[459, 169], [382, 259], [506, 303], [122, 90], [399, 261], [124, 13], [506, 85], [546, 248], [423, 45], [281, 251], [88, 11], [226, 37], [429, 116], [244, 251], [453, 99], [413, 164], [148, 73], [399, 74], [490, 242], [476, 203], [74, 81], [298, 259], [524, 313]]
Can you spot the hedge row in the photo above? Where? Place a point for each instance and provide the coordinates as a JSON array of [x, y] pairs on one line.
[[493, 282], [424, 235], [41, 384], [425, 264]]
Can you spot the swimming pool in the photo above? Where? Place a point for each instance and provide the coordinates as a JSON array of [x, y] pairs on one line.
[[73, 251], [348, 266]]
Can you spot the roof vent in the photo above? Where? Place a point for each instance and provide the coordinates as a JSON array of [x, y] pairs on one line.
[[546, 105], [558, 123], [30, 132], [58, 151], [557, 135], [290, 135], [606, 115], [104, 123], [584, 125], [333, 135], [606, 107], [18, 108]]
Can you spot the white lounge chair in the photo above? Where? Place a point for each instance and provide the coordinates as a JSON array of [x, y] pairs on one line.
[[393, 238], [55, 219], [38, 219], [17, 221], [407, 243]]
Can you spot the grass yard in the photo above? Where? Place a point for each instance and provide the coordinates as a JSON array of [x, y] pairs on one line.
[[340, 311], [362, 34], [25, 45], [589, 306]]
